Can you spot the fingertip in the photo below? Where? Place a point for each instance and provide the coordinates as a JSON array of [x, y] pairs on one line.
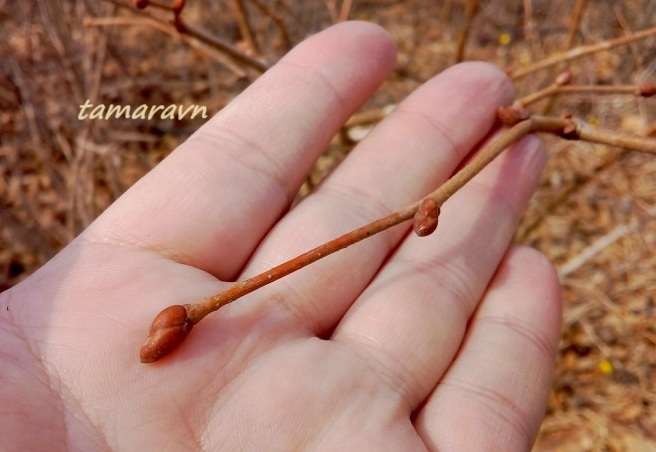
[[497, 388], [539, 276], [366, 50], [364, 29], [484, 78]]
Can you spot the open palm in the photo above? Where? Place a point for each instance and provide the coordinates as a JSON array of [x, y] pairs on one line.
[[398, 343]]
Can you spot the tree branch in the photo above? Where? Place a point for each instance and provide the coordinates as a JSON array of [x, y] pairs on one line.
[[173, 324]]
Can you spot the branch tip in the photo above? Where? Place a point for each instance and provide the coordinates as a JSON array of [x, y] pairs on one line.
[[168, 330]]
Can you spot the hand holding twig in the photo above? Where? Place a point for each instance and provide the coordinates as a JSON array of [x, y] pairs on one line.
[[388, 335]]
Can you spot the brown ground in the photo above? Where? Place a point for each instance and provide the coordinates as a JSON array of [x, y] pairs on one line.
[[593, 214]]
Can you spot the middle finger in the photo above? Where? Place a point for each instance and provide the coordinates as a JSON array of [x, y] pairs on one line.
[[417, 147]]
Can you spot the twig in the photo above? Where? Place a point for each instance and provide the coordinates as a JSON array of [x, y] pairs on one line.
[[221, 45], [51, 15], [580, 52], [471, 9], [176, 6], [575, 22], [202, 36], [529, 25], [221, 58], [577, 129], [345, 10], [26, 102], [600, 244], [244, 24], [279, 20], [587, 132], [639, 67], [173, 324], [331, 7], [644, 90], [601, 345]]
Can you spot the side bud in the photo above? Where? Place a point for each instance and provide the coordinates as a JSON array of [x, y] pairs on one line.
[[425, 220]]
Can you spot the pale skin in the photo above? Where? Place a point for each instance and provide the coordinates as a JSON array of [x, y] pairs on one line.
[[398, 343]]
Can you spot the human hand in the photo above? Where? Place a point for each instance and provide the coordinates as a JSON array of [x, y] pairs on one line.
[[397, 343]]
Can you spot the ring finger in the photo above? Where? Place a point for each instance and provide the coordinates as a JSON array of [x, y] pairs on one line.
[[410, 321]]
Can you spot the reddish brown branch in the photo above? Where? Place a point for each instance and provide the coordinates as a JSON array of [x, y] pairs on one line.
[[221, 45], [220, 57], [576, 129], [171, 326], [159, 344], [200, 35], [588, 132]]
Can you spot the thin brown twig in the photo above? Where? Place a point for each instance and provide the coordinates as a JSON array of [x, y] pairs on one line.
[[221, 45], [602, 243], [345, 10], [579, 52], [639, 67], [220, 57], [53, 23], [202, 36], [471, 9], [279, 20], [645, 90], [587, 132], [576, 129], [529, 23], [176, 6], [171, 326], [575, 22], [244, 24], [331, 7]]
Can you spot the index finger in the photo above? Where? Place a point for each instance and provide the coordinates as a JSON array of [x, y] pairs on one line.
[[210, 202]]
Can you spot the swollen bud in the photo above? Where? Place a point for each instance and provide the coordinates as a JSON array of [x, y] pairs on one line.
[[168, 330], [425, 220]]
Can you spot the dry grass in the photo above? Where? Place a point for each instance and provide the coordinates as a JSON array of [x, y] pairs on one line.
[[593, 214]]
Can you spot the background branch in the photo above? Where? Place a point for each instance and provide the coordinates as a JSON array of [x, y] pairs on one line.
[[580, 52]]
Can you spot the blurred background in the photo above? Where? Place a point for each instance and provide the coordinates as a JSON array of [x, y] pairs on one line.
[[593, 214]]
